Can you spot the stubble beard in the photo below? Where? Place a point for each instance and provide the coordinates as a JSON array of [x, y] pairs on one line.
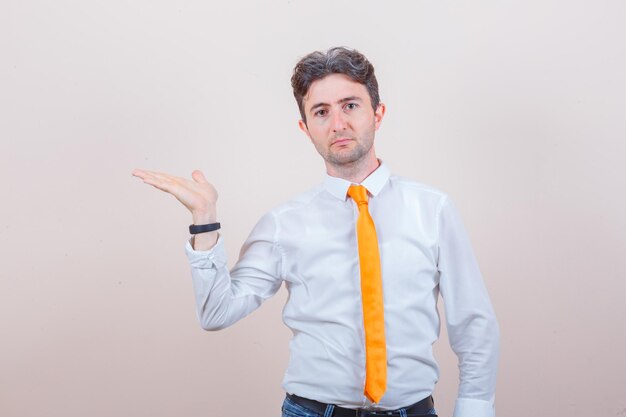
[[349, 157]]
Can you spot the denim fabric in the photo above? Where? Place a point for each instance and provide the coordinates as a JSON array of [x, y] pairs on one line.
[[291, 409]]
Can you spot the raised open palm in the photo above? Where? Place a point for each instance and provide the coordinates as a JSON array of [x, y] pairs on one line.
[[197, 194]]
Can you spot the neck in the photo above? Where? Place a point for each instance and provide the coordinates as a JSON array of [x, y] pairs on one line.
[[355, 172]]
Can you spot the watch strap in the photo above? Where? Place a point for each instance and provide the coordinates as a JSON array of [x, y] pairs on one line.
[[194, 229]]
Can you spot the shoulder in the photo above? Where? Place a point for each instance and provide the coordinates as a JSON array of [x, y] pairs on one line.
[[272, 222], [416, 189], [431, 201], [299, 202]]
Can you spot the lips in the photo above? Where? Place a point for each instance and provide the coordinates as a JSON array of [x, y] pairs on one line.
[[340, 141]]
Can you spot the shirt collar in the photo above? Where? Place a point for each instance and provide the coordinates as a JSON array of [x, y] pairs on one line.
[[375, 182]]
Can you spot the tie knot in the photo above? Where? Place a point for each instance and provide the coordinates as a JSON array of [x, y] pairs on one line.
[[358, 194]]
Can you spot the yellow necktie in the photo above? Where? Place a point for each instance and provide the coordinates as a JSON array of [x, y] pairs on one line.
[[372, 296]]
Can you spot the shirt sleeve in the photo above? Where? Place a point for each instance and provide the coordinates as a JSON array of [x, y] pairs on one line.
[[472, 326], [223, 297]]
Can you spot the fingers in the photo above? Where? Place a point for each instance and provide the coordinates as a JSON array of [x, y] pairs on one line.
[[198, 195], [153, 175], [159, 180], [143, 174], [198, 176], [178, 186], [138, 173]]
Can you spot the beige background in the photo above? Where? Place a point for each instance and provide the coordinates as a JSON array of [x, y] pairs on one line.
[[515, 108]]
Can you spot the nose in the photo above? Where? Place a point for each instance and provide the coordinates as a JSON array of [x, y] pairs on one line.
[[338, 121]]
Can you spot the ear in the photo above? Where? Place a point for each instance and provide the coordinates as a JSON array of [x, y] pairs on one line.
[[379, 114], [303, 127]]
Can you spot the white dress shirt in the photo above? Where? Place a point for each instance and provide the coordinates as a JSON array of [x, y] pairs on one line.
[[310, 243]]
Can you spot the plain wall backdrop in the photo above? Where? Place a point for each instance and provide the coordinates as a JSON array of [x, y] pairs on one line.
[[514, 108]]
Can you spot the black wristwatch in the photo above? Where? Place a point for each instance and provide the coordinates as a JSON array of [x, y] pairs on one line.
[[194, 229]]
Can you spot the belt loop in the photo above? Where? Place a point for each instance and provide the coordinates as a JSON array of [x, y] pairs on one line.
[[329, 410]]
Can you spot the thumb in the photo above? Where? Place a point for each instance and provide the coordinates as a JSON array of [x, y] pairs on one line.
[[198, 176]]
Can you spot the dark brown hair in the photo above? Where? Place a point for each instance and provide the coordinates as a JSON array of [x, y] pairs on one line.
[[338, 60]]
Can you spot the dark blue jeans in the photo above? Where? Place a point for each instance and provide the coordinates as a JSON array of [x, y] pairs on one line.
[[291, 409]]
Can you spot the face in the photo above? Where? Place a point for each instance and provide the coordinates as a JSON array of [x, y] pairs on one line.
[[340, 121]]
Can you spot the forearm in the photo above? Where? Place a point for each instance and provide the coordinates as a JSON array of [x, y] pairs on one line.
[[224, 297], [475, 340], [476, 344], [217, 303]]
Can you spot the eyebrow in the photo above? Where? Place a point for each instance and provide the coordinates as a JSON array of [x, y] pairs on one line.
[[343, 100]]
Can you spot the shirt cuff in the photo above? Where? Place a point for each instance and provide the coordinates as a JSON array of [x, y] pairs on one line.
[[203, 259], [470, 407]]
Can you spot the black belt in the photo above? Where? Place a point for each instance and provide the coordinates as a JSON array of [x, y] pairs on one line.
[[421, 407]]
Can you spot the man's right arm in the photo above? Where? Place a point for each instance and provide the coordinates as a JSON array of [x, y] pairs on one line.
[[222, 297]]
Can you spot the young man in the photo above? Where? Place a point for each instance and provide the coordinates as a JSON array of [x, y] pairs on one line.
[[364, 257]]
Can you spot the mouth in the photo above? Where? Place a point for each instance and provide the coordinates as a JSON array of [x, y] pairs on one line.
[[340, 141]]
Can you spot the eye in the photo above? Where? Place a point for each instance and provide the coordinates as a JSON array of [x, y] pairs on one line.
[[351, 106], [321, 112]]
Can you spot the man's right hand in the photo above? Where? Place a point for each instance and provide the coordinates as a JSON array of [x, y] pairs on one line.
[[198, 195]]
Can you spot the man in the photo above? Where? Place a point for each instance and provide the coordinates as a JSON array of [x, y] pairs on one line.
[[364, 257]]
